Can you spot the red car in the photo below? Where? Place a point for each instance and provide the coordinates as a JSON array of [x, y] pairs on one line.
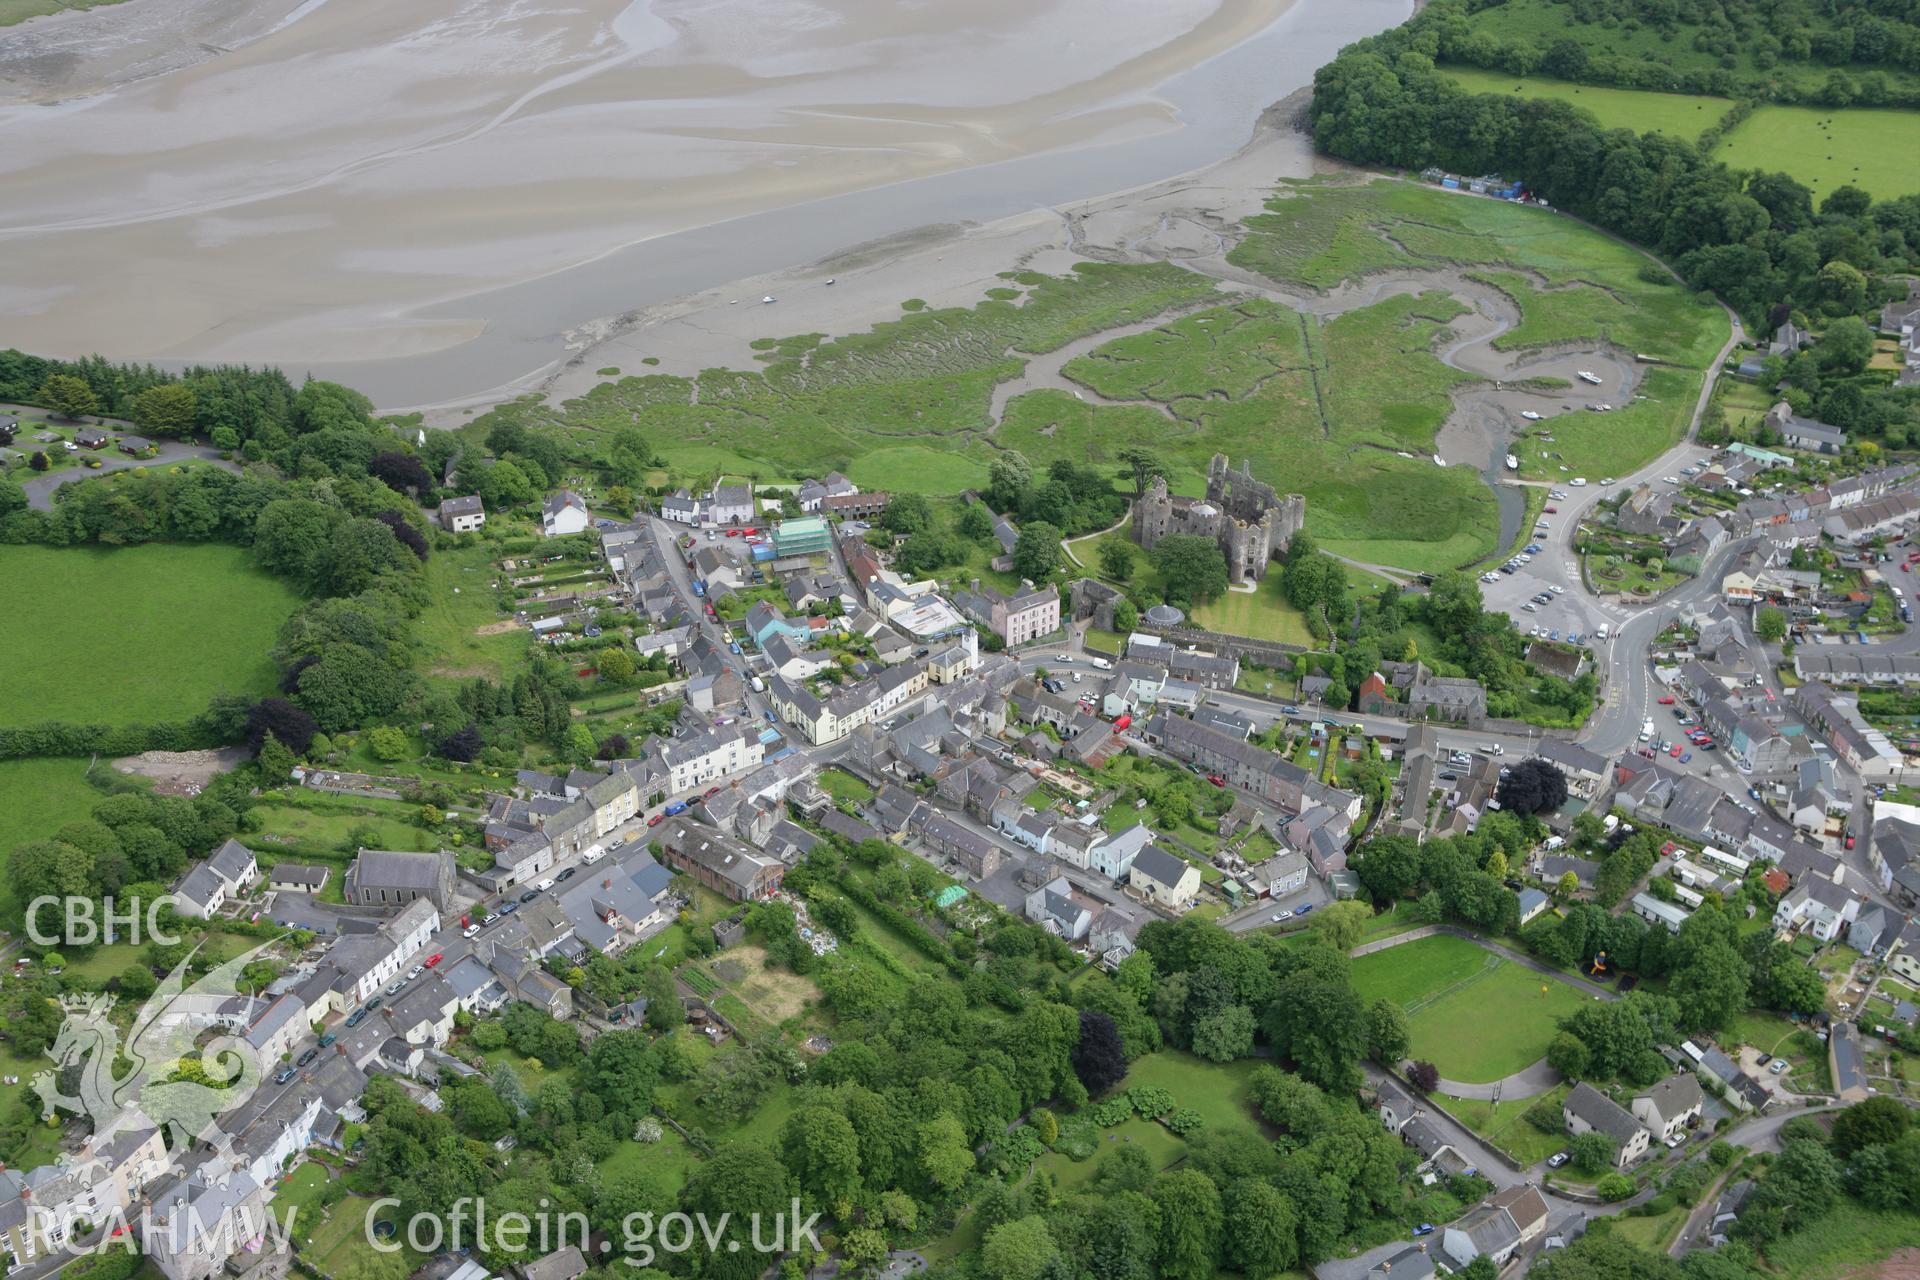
[[434, 959], [1553, 511], [710, 793], [733, 533], [656, 819], [1667, 701], [1216, 780], [1674, 751], [1849, 842], [749, 531], [1906, 566]]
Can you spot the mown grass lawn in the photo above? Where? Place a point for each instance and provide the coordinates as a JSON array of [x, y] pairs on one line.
[[842, 785], [1474, 1015], [1262, 613], [1220, 1092], [1826, 147], [163, 628]]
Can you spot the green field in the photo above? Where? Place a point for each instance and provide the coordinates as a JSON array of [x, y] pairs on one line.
[[163, 628], [1449, 987], [1827, 148], [1641, 110]]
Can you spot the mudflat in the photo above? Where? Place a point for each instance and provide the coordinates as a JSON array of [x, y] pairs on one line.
[[303, 182]]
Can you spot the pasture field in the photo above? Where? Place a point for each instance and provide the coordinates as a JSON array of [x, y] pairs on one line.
[[1451, 990], [1826, 148], [1677, 115], [133, 634]]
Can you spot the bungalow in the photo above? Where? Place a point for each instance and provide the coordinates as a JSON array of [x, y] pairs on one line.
[[1587, 1110], [91, 438], [1654, 911], [298, 877], [136, 446], [1532, 904]]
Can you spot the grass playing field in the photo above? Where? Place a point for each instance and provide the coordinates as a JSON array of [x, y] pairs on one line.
[[134, 633], [1474, 1015], [1828, 148], [1677, 114]]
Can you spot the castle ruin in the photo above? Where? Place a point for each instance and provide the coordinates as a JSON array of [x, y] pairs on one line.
[[1247, 519]]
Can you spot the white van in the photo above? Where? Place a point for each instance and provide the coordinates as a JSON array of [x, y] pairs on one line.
[[1602, 632], [545, 884], [1102, 664], [592, 856]]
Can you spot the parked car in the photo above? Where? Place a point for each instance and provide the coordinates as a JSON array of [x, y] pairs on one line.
[[508, 908], [1424, 1229], [435, 959], [568, 874], [1558, 1158], [306, 1057], [526, 897], [1303, 908], [1216, 780], [1666, 699], [285, 1075]]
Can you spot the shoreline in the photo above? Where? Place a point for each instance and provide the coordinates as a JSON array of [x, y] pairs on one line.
[[941, 264]]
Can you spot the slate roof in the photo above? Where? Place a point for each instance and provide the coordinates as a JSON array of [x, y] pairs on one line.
[[1602, 1113]]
